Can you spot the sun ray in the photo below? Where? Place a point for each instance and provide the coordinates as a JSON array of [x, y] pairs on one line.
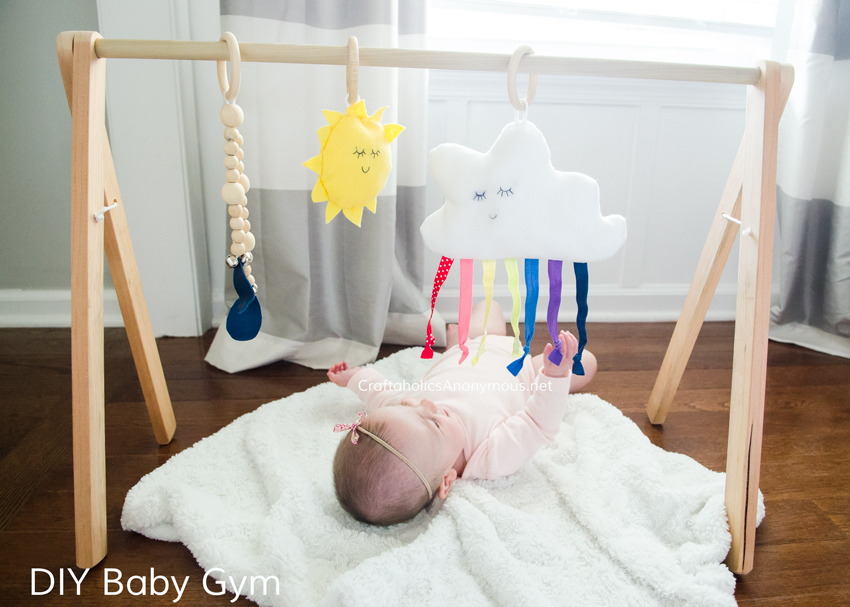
[[372, 205], [314, 164], [332, 117], [331, 211], [358, 109], [392, 131], [378, 114], [319, 194], [324, 133], [354, 214]]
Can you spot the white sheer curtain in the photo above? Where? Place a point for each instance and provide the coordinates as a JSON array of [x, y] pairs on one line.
[[336, 291]]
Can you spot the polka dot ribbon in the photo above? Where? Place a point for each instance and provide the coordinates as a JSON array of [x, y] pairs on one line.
[[439, 279]]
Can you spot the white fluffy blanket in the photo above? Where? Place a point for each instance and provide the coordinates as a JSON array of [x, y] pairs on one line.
[[599, 517]]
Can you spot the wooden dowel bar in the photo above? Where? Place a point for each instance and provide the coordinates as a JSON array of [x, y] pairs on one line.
[[425, 59]]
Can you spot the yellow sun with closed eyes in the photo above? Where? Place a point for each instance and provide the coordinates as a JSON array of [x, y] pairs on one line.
[[355, 161]]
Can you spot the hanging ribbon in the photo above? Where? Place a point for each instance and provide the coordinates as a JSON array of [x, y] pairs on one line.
[[439, 279], [464, 307], [513, 286], [489, 266], [580, 270], [555, 267], [532, 287]]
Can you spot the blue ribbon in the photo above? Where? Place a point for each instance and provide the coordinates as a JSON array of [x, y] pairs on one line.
[[580, 270], [532, 287]]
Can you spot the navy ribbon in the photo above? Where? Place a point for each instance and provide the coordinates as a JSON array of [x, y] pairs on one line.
[[580, 270]]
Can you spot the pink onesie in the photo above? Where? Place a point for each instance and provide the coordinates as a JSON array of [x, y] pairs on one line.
[[505, 424]]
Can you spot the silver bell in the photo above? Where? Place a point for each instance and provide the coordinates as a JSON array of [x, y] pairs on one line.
[[232, 261], [247, 258]]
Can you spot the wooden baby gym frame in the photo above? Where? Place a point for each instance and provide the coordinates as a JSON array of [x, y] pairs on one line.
[[748, 201]]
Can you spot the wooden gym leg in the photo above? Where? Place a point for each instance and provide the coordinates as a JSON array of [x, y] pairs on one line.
[[125, 277], [87, 120], [765, 102], [134, 309], [719, 243]]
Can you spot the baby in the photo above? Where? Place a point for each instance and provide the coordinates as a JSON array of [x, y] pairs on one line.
[[413, 446]]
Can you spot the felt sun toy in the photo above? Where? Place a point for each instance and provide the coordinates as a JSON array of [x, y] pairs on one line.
[[355, 161]]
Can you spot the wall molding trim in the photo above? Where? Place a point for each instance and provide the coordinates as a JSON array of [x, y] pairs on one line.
[[607, 303], [49, 308]]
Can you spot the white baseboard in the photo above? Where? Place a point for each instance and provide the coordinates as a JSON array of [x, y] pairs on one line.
[[606, 303], [49, 308]]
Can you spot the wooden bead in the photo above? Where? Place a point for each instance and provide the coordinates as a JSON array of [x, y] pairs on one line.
[[231, 162], [240, 140], [233, 193], [244, 200], [246, 225], [233, 176], [247, 270], [252, 280], [240, 153], [243, 179], [235, 210], [237, 236], [237, 248], [231, 115], [231, 134], [237, 223], [249, 241], [231, 148], [240, 166], [244, 214]]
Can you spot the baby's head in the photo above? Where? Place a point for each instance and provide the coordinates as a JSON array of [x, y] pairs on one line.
[[377, 486]]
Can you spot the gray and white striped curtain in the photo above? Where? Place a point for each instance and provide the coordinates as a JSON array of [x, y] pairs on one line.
[[813, 184], [328, 292]]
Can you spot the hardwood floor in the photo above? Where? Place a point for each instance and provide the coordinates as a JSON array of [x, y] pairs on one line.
[[803, 546]]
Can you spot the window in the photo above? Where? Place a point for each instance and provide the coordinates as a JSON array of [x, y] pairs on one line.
[[726, 32]]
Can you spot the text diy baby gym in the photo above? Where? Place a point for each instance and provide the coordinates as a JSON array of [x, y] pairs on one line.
[[216, 582]]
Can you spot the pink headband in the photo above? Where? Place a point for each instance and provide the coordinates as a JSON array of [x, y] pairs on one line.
[[355, 437]]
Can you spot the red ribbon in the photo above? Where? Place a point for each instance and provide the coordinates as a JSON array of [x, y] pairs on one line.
[[439, 279]]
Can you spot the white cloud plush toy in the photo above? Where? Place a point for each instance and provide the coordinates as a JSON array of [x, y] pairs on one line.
[[510, 203]]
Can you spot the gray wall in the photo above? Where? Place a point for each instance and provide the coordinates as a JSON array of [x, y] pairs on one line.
[[35, 181]]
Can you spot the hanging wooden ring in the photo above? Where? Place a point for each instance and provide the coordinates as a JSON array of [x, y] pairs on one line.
[[230, 90], [521, 104], [352, 69]]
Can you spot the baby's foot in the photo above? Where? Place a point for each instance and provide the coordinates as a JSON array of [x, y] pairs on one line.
[[451, 336]]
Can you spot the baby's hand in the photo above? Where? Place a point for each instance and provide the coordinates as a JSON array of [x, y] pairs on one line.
[[569, 348], [340, 373]]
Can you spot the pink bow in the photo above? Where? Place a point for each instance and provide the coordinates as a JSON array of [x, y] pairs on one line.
[[353, 427]]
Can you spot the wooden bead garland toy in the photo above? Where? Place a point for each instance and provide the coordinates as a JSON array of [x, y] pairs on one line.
[[356, 156], [245, 316]]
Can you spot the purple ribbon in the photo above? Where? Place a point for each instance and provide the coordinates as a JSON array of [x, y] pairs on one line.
[[555, 267]]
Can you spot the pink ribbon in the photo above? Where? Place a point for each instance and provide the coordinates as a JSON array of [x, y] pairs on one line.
[[353, 427], [464, 307]]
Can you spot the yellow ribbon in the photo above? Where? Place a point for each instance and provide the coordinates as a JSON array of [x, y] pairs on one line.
[[513, 285], [489, 274]]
